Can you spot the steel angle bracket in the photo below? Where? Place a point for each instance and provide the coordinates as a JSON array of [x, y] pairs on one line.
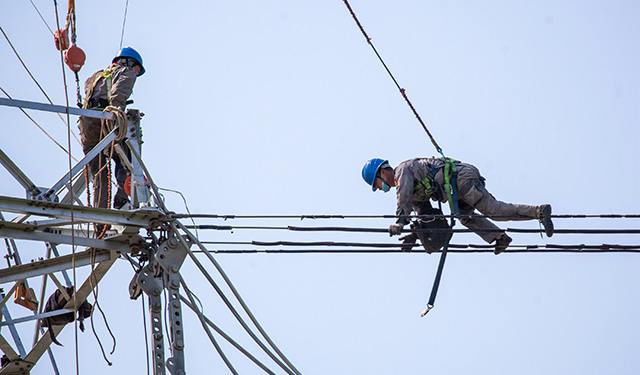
[[170, 256], [17, 367], [152, 286], [163, 271]]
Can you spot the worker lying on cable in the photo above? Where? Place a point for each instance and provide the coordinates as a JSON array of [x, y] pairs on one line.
[[418, 180], [109, 87]]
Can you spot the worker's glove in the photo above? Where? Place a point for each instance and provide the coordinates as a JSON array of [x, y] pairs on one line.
[[408, 241], [395, 229]]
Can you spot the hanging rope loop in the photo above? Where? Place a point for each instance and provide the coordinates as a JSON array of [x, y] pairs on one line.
[[120, 122]]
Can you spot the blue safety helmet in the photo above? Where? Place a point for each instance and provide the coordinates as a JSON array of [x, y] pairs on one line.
[[130, 52], [370, 170]]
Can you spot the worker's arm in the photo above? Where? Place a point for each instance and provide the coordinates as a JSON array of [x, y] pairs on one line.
[[404, 191], [123, 79]]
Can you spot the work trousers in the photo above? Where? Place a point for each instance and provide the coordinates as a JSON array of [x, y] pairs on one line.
[[472, 195], [90, 135]]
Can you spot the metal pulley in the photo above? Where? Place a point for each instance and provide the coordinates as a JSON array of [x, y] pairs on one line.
[[61, 39], [74, 57]]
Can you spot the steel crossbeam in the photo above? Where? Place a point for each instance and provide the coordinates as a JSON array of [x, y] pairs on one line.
[[139, 218], [47, 266], [56, 108]]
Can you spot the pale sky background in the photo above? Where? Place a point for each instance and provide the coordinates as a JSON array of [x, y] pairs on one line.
[[260, 108]]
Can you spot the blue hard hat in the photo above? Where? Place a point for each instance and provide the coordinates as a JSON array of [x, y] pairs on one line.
[[370, 170], [130, 52]]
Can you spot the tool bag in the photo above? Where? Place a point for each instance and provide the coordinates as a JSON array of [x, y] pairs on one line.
[[56, 302], [432, 241]]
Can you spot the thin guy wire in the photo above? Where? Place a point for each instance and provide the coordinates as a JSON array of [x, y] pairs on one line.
[[43, 20], [124, 21], [34, 78], [40, 127]]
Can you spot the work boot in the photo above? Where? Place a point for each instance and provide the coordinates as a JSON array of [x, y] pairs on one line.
[[545, 219], [502, 242]]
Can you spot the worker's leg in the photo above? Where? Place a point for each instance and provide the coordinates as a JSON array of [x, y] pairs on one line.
[[90, 136], [472, 190], [489, 205], [121, 197], [474, 222]]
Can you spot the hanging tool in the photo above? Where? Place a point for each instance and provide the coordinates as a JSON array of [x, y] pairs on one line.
[[25, 297]]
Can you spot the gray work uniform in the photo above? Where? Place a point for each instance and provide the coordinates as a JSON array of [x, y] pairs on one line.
[[472, 195], [96, 97]]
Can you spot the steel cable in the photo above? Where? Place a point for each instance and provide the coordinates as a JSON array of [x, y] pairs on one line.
[[400, 245], [238, 298], [66, 123], [384, 230], [222, 333], [453, 248], [204, 326], [333, 216], [402, 91]]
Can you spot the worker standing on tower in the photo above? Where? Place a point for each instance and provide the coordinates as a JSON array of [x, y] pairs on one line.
[[110, 87], [418, 180]]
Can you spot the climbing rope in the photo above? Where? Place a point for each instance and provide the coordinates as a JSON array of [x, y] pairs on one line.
[[402, 91], [94, 287], [452, 201], [73, 246], [120, 122]]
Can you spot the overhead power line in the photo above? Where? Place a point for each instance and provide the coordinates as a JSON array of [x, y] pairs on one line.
[[396, 246], [384, 230], [452, 249], [333, 216]]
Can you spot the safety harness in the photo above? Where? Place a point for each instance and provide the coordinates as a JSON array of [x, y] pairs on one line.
[[100, 104], [450, 183]]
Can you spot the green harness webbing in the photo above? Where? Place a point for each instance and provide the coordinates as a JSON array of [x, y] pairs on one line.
[[450, 183], [106, 74]]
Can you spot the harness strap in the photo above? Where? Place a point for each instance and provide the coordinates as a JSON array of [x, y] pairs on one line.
[[106, 74], [450, 179], [109, 82], [451, 185]]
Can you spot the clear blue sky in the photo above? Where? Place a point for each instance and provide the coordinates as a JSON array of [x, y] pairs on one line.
[[273, 107]]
